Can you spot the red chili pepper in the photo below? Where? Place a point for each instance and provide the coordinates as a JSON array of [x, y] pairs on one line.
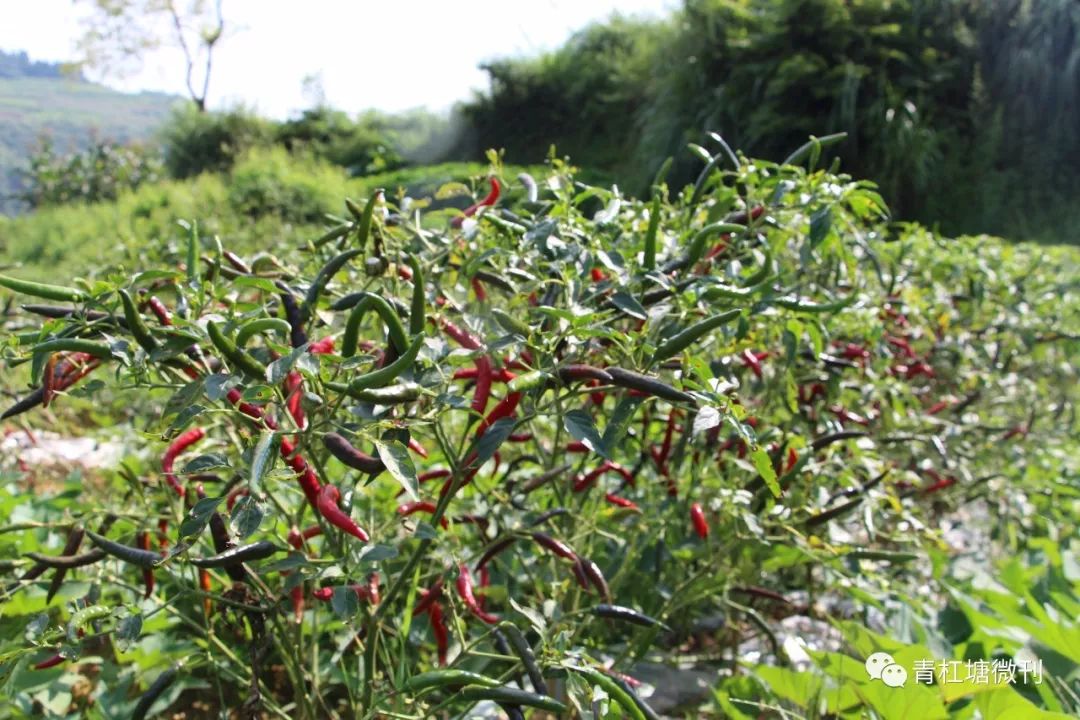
[[940, 483], [845, 416], [1017, 431], [488, 201], [621, 502], [373, 588], [718, 247], [236, 493], [159, 309], [465, 591], [438, 627], [328, 506], [422, 506], [461, 337], [579, 574], [204, 583], [854, 351], [178, 446], [363, 592], [296, 596], [577, 447], [309, 482], [792, 458], [938, 407], [919, 368], [589, 479], [478, 289], [597, 275], [697, 517], [750, 360], [556, 546], [501, 375], [417, 448], [322, 347], [294, 393], [428, 598], [163, 530], [506, 408], [669, 432], [519, 437], [297, 538], [142, 540], [50, 662], [482, 392]]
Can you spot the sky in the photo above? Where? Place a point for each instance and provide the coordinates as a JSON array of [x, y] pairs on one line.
[[390, 56]]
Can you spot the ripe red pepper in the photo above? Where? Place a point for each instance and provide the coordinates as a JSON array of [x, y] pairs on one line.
[[465, 591], [482, 391], [558, 547], [901, 344], [297, 538], [50, 662], [621, 502], [438, 627], [178, 446], [428, 598], [238, 492], [697, 517], [792, 458], [938, 407], [1017, 431], [489, 200], [844, 416], [577, 447], [854, 351], [589, 479], [753, 360], [597, 275], [322, 347], [417, 448], [159, 309], [294, 393], [506, 408], [296, 597], [501, 375], [204, 584], [478, 289], [328, 506], [423, 506], [461, 337]]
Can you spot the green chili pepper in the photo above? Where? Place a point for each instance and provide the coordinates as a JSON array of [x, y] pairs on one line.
[[322, 279], [616, 693], [363, 228], [444, 678], [389, 395], [510, 324], [394, 327], [416, 309], [679, 342], [90, 347], [135, 323], [648, 385], [814, 145], [887, 556], [650, 234], [799, 305], [512, 696], [528, 381], [333, 234], [378, 378], [262, 325], [697, 244], [525, 653], [153, 693], [762, 272], [67, 562], [134, 556], [41, 290], [618, 612], [84, 617], [239, 359]]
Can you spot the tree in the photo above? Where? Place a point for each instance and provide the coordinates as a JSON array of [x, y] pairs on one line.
[[120, 33]]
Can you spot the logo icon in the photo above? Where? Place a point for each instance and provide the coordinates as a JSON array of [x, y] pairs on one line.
[[881, 666]]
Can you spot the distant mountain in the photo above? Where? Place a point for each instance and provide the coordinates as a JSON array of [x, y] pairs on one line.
[[44, 100]]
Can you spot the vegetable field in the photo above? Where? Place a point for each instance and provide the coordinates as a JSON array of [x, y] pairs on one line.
[[499, 461]]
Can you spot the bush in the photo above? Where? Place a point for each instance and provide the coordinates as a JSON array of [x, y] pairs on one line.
[[748, 402], [270, 183], [98, 173], [361, 147], [197, 142]]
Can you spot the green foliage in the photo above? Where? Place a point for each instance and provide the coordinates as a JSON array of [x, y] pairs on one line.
[[361, 147], [98, 173], [952, 355], [271, 183], [196, 142]]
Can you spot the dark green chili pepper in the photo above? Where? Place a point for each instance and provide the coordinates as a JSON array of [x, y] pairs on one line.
[[416, 309], [380, 377], [511, 696], [648, 385], [625, 614], [494, 549], [525, 653], [395, 329], [716, 292], [509, 323], [134, 556], [697, 244], [833, 513], [813, 145], [135, 323], [41, 290], [620, 696], [153, 693], [90, 347], [234, 556], [444, 678], [333, 234], [60, 311], [826, 440], [262, 325], [580, 373], [679, 342], [297, 336], [239, 359], [649, 713], [389, 395], [650, 234], [791, 302], [29, 402], [219, 532], [67, 562], [527, 381], [84, 617], [363, 227], [762, 273], [322, 279]]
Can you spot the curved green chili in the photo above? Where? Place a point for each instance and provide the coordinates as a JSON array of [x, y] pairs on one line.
[[41, 290], [682, 340], [67, 562], [153, 693], [239, 359], [394, 327], [135, 323], [322, 279], [650, 234], [380, 377], [262, 325], [90, 347], [790, 302], [85, 616], [333, 234], [512, 696], [525, 653], [416, 309], [697, 244], [510, 323], [616, 693], [389, 395], [444, 678], [234, 556]]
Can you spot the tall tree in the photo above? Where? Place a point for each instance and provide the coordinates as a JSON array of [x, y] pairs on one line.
[[118, 34]]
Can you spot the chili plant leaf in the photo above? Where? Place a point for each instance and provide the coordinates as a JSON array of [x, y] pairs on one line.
[[765, 469], [395, 456], [581, 428]]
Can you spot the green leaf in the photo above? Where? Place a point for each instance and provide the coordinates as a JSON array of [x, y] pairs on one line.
[[378, 553], [203, 463], [247, 516], [820, 224], [129, 629], [196, 521], [344, 602], [764, 467], [707, 418], [615, 430], [262, 458], [492, 439], [581, 428], [629, 305], [395, 456]]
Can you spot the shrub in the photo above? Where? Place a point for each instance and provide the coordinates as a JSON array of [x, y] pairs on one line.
[[98, 173], [361, 147], [270, 183], [743, 398], [197, 142]]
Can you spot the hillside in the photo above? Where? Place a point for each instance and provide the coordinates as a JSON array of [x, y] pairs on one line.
[[38, 100]]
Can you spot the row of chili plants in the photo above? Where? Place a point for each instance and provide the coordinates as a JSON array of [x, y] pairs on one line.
[[403, 470]]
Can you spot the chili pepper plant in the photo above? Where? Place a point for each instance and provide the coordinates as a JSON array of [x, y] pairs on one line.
[[419, 466]]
